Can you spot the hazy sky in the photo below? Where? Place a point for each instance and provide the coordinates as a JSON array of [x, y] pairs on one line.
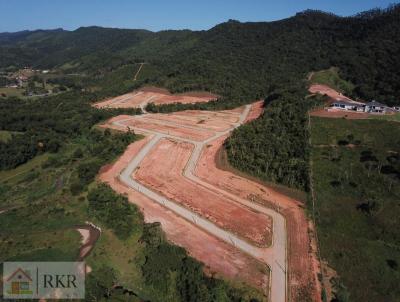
[[161, 14]]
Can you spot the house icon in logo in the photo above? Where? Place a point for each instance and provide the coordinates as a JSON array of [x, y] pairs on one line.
[[20, 282]]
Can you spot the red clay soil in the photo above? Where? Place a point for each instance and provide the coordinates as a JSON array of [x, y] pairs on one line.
[[191, 124], [303, 265], [167, 179], [256, 110], [324, 89], [128, 100], [340, 114], [155, 95], [217, 121], [219, 257], [170, 129]]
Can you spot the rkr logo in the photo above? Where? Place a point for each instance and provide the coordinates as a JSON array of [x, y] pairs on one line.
[[59, 281], [48, 280]]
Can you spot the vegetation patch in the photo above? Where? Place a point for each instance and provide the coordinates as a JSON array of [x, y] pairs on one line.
[[357, 193], [274, 147], [331, 77]]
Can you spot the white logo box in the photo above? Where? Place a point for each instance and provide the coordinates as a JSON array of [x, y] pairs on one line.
[[44, 280]]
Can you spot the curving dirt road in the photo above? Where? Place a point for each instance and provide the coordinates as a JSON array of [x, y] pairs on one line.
[[90, 234], [274, 256]]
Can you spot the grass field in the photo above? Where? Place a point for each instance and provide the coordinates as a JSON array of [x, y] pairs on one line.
[[356, 175], [331, 78], [13, 176], [17, 92], [387, 117]]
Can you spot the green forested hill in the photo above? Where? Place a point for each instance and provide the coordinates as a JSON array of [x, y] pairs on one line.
[[240, 60]]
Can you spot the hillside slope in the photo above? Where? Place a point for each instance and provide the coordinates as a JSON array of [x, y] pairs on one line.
[[239, 60]]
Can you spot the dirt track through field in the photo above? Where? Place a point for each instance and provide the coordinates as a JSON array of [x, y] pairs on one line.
[[137, 73], [90, 235], [138, 176]]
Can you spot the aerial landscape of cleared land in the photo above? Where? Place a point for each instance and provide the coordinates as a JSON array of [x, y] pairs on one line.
[[247, 162], [253, 228]]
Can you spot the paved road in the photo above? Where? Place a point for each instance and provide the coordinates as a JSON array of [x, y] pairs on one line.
[[275, 256]]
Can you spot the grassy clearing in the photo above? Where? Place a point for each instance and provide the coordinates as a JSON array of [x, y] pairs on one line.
[[5, 136], [11, 175], [9, 92], [387, 117], [331, 78], [60, 245], [357, 183], [121, 256]]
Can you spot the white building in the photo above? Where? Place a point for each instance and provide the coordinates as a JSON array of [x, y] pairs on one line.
[[371, 107], [346, 105], [375, 107]]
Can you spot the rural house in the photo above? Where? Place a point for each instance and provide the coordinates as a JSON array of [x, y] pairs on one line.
[[375, 107], [371, 107], [344, 105]]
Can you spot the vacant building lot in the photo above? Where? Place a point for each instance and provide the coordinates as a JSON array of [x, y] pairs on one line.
[[176, 161], [140, 98], [219, 257], [169, 181]]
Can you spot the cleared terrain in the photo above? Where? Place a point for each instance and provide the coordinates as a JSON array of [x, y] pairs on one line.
[[173, 177], [140, 98]]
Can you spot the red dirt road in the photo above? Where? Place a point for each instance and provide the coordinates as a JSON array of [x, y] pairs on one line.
[[168, 180], [302, 274], [161, 171], [323, 89], [218, 256], [256, 110]]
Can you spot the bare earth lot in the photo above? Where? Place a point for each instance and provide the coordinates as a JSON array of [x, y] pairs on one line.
[[332, 93], [169, 181], [236, 227], [140, 98]]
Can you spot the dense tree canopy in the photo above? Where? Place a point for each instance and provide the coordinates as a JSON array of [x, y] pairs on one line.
[[237, 60]]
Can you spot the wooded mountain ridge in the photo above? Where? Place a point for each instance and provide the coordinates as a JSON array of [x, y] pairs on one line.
[[237, 60]]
